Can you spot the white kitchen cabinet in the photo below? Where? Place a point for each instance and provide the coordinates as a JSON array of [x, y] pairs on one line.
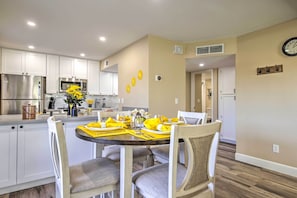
[[78, 150], [73, 68], [108, 83], [93, 77], [8, 155], [115, 84], [227, 80], [23, 63], [34, 157], [227, 115], [227, 104], [52, 78]]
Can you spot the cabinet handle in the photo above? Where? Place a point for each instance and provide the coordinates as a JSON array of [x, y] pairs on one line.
[[21, 126], [13, 127]]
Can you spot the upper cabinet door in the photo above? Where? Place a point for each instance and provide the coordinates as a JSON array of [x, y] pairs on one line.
[[106, 84], [115, 83], [73, 68], [52, 77], [23, 63], [80, 69], [227, 80], [13, 61], [93, 77], [35, 64], [66, 67]]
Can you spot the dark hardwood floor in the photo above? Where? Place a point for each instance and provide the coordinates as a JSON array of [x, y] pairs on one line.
[[233, 180]]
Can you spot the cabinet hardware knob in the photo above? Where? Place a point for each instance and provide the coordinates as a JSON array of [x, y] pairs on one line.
[[21, 126], [13, 127]]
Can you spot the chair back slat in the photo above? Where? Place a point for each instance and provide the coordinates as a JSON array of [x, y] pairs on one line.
[[193, 118], [202, 151]]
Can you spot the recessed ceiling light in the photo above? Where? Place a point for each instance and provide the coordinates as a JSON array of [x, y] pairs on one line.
[[31, 23], [31, 47], [201, 64], [102, 38], [82, 54]]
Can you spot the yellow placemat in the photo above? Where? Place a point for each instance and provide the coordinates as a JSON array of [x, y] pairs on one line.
[[96, 134], [147, 135]]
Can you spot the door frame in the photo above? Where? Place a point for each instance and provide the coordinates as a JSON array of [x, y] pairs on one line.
[[213, 74]]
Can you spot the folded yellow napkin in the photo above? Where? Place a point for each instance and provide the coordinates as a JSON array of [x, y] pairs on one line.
[[110, 122], [163, 127], [124, 118], [174, 119], [94, 124], [163, 118], [97, 134], [152, 123]]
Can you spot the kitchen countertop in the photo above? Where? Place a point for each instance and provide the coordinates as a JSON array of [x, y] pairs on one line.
[[42, 118]]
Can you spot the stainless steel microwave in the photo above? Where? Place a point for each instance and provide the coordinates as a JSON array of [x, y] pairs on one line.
[[66, 82]]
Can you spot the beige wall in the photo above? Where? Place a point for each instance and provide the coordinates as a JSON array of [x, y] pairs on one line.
[[266, 105], [154, 56], [130, 60], [162, 61]]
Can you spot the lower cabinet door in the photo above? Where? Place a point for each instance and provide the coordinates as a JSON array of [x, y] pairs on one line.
[[34, 158], [8, 155]]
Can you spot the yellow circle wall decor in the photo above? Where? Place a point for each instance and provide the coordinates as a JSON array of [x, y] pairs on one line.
[[133, 81], [128, 88], [139, 75]]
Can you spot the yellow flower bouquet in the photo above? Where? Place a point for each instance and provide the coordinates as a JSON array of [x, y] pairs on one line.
[[74, 98], [74, 95]]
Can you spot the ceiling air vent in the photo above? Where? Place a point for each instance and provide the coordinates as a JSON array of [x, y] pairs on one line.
[[210, 49]]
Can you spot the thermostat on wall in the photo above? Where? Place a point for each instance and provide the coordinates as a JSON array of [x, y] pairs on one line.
[[158, 77]]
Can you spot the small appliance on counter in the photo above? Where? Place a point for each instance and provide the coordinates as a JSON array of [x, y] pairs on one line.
[[51, 104]]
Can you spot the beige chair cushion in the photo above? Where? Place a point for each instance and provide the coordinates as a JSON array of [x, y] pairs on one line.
[[92, 174], [156, 178]]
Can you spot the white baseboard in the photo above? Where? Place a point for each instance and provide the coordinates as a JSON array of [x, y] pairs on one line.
[[227, 141], [27, 185], [281, 168]]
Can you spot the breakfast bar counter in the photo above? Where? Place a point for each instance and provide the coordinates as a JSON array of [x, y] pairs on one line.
[[42, 118]]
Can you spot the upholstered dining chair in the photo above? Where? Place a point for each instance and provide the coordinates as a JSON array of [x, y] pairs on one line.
[[161, 153], [142, 155], [173, 179], [87, 179]]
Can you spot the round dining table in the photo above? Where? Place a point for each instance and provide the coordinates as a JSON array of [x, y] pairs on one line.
[[127, 142]]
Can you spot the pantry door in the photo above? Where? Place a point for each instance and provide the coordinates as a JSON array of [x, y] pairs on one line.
[[227, 100]]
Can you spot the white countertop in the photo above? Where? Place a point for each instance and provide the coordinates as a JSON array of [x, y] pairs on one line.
[[41, 118]]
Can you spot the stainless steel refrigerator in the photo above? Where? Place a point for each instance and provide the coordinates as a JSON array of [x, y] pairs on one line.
[[19, 90]]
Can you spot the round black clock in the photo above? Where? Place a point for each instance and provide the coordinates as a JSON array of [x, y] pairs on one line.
[[290, 47]]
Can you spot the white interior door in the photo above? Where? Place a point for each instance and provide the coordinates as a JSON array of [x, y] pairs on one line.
[[227, 106], [227, 115]]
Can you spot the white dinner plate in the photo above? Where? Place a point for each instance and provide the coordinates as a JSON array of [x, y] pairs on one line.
[[156, 131], [102, 129]]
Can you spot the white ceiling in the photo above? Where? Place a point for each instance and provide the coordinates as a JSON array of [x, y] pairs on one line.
[[70, 27]]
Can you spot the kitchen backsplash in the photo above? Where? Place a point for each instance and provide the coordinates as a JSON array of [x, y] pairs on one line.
[[99, 101]]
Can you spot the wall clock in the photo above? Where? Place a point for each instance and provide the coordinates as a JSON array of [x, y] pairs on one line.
[[290, 47]]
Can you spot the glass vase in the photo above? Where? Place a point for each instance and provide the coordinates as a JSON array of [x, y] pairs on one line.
[[74, 111]]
